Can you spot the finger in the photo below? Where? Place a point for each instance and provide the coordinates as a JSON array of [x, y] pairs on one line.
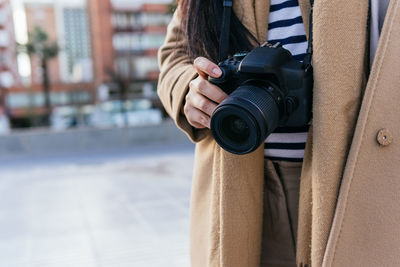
[[203, 103], [196, 117], [206, 68], [209, 90]]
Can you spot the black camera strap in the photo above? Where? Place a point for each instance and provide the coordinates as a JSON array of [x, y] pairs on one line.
[[225, 30]]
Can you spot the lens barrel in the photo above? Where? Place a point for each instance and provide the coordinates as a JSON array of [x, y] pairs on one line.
[[242, 122]]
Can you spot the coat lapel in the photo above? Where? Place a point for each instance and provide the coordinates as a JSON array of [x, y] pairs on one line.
[[244, 10], [303, 253], [254, 16], [365, 175], [339, 62], [261, 19], [305, 12], [237, 193]]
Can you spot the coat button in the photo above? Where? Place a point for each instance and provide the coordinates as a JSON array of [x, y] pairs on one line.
[[384, 137]]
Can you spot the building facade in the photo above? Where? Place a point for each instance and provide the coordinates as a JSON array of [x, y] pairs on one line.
[[103, 46], [101, 35], [43, 15], [138, 33], [77, 45], [126, 49], [8, 65], [70, 73]]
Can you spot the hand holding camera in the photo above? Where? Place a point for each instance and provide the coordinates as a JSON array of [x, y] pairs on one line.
[[267, 88], [203, 97]]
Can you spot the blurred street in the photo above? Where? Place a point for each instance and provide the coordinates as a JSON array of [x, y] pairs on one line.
[[127, 207]]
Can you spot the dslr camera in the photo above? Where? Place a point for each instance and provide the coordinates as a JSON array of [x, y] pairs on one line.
[[267, 88]]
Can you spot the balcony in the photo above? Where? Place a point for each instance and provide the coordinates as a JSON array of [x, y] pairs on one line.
[[137, 42], [4, 38]]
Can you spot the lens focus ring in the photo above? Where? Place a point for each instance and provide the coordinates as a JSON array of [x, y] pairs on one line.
[[242, 122]]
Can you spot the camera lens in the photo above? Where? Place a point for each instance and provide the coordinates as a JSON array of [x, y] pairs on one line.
[[235, 128], [242, 122]]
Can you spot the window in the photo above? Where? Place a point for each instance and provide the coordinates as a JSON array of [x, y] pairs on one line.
[[4, 38]]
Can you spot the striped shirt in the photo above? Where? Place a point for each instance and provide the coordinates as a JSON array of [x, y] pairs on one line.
[[286, 26]]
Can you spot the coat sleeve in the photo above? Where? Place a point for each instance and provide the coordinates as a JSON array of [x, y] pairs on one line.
[[176, 72]]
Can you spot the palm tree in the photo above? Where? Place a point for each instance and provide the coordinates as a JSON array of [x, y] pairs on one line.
[[40, 46]]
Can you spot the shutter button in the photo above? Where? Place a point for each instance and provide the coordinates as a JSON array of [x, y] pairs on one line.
[[384, 137]]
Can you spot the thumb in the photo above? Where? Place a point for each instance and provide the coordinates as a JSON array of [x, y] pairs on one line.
[[206, 67]]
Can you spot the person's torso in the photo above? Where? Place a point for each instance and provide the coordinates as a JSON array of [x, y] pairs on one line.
[[286, 26]]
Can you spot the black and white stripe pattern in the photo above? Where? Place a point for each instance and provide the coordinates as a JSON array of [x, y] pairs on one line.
[[286, 144], [286, 26]]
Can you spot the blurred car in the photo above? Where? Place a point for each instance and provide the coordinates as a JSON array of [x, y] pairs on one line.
[[63, 117], [4, 124], [115, 113]]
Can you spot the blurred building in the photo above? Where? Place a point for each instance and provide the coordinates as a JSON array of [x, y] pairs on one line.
[[125, 43], [43, 15], [138, 33], [101, 34], [68, 24], [77, 43], [108, 52], [71, 73], [8, 66]]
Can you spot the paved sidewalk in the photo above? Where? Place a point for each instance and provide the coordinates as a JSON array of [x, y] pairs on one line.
[[114, 209]]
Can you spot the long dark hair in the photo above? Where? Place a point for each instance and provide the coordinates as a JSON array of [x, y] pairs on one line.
[[202, 21]]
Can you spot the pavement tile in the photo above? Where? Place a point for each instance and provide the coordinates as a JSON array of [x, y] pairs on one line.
[[104, 212]]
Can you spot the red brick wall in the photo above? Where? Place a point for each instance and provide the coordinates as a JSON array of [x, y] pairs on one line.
[[101, 35]]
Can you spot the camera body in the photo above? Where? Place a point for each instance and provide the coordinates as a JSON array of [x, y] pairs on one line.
[[267, 88]]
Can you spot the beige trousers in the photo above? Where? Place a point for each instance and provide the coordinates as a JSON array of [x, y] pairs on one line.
[[281, 200]]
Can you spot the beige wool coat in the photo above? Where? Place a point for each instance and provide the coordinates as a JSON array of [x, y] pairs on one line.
[[350, 186]]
